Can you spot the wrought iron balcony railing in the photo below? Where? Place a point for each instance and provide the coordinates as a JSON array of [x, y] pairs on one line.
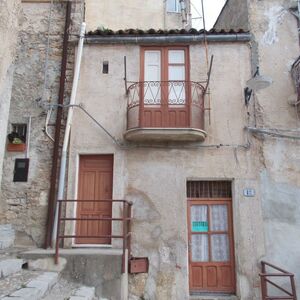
[[165, 104]]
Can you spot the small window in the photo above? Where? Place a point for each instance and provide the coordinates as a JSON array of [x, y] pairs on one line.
[[21, 170], [18, 134], [173, 6], [105, 67]]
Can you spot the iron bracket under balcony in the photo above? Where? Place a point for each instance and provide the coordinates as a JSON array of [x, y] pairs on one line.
[[165, 111]]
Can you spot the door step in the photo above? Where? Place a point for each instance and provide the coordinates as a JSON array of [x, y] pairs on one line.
[[213, 297]]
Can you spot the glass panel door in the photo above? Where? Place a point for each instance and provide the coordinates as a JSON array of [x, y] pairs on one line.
[[176, 77], [209, 230], [152, 90]]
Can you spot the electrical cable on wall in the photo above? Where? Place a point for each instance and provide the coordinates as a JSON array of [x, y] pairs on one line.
[[206, 57], [276, 132]]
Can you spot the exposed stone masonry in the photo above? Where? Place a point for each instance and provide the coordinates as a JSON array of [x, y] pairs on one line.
[[25, 204]]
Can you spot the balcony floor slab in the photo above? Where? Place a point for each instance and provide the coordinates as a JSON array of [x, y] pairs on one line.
[[165, 135]]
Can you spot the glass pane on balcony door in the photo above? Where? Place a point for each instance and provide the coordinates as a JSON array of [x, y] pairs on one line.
[[176, 56], [176, 76], [152, 77]]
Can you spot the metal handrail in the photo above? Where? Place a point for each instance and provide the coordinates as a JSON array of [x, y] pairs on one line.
[[125, 219], [264, 277], [161, 93], [166, 95]]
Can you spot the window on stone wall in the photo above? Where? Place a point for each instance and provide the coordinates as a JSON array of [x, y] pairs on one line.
[[17, 138], [173, 6]]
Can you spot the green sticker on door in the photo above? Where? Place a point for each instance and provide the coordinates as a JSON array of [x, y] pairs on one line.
[[198, 226]]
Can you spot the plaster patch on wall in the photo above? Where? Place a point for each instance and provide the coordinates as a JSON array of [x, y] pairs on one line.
[[43, 199], [275, 16]]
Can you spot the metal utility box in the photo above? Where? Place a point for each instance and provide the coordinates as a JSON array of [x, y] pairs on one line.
[[138, 265], [21, 170]]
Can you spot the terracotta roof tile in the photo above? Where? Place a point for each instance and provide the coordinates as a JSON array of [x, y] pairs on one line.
[[131, 31]]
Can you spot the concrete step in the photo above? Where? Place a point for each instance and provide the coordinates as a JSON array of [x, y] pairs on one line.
[[36, 288], [213, 297], [7, 236], [97, 267], [9, 266], [62, 290], [83, 293], [16, 281]]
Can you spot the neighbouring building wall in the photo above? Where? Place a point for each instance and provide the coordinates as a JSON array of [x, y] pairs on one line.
[[155, 178], [9, 11], [233, 16], [134, 14], [35, 86], [275, 34]]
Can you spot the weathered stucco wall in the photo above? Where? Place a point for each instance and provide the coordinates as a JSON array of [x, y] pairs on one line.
[[233, 16], [9, 11], [155, 179], [24, 204], [124, 14], [275, 33]]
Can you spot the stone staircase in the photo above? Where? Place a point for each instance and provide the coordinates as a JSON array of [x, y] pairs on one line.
[[19, 283], [96, 267], [82, 274]]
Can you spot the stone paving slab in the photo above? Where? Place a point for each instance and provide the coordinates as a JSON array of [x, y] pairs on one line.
[[7, 236], [16, 281], [10, 266], [84, 293], [36, 288]]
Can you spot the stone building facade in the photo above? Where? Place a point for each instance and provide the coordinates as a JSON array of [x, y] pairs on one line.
[[35, 87], [274, 48], [9, 11], [214, 189]]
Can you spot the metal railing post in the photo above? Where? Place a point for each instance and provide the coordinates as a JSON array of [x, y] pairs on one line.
[[124, 236], [292, 278], [58, 232], [129, 228], [263, 281]]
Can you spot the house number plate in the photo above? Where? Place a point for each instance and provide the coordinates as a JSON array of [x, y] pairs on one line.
[[249, 192]]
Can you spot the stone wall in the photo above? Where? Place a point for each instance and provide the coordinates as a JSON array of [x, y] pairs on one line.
[[9, 11], [35, 86], [274, 31], [233, 16]]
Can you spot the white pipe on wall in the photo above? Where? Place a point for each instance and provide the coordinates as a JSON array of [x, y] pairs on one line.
[[28, 137], [62, 174]]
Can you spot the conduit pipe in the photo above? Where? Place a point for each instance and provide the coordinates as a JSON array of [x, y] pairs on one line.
[[168, 39], [62, 174]]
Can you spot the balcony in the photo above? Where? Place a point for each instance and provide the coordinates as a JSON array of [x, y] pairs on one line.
[[165, 111]]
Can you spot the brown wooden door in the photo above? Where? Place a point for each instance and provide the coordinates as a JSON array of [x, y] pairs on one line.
[[95, 183], [164, 87], [211, 255]]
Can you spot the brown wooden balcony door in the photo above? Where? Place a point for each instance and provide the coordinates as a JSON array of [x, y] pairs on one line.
[[211, 259], [164, 88], [95, 183]]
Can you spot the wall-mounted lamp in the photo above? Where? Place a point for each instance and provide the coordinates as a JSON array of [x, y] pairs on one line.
[[257, 82]]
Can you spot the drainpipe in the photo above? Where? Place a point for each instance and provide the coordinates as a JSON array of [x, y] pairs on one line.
[[58, 124], [62, 174]]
